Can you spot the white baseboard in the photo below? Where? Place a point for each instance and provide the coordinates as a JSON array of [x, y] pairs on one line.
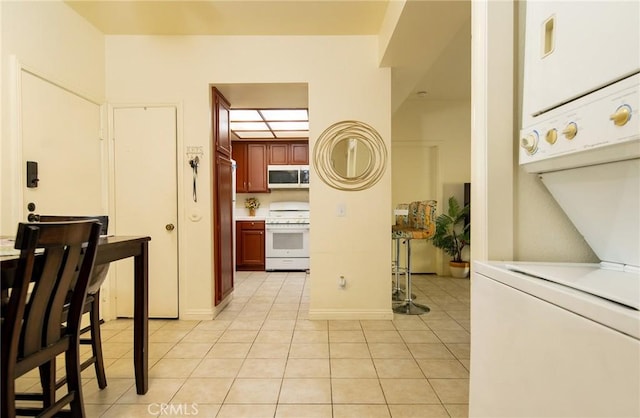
[[198, 315], [341, 314], [205, 314]]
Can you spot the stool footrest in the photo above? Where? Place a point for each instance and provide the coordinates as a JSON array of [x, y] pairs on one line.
[[411, 308]]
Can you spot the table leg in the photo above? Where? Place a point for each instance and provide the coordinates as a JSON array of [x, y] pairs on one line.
[[141, 320]]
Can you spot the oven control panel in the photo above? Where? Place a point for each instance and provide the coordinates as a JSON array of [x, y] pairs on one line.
[[600, 127]]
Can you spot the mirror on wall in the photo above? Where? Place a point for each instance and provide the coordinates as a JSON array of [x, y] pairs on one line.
[[350, 155]]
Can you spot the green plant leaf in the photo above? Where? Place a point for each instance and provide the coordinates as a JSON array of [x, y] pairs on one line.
[[451, 234]]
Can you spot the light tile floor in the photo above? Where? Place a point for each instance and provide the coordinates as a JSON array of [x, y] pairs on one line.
[[262, 357]]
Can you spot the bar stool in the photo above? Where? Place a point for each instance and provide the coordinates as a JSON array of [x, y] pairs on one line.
[[420, 225], [401, 213]]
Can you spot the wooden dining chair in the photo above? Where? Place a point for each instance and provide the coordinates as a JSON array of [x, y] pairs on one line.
[[92, 304], [56, 259]]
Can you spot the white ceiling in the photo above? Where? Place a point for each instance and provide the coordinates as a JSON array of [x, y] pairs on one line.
[[428, 47]]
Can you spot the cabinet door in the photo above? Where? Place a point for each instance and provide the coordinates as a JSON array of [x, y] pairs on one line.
[[278, 154], [239, 153], [257, 168], [250, 245], [223, 230], [299, 153], [221, 132]]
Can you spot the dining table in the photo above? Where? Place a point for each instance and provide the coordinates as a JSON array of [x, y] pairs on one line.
[[110, 249]]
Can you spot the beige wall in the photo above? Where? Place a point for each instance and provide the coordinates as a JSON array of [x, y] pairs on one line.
[[344, 83], [444, 126], [446, 123], [51, 40]]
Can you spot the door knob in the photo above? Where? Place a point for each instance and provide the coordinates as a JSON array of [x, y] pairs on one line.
[[170, 227]]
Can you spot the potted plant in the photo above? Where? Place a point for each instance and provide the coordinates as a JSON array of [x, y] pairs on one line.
[[252, 203], [452, 235]]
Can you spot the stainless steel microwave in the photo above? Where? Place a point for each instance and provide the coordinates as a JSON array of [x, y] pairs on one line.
[[288, 176]]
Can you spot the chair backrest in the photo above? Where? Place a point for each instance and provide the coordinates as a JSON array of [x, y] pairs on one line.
[[99, 272], [103, 219], [422, 215], [402, 220], [33, 316]]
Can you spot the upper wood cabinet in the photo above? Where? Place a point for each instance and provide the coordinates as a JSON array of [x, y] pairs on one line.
[[278, 153], [220, 123], [282, 153], [252, 159], [299, 153], [239, 154], [251, 167], [257, 168]]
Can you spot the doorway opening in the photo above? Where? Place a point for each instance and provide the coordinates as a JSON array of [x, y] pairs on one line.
[[250, 156]]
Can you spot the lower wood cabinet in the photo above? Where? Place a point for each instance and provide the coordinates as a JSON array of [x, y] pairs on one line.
[[250, 243]]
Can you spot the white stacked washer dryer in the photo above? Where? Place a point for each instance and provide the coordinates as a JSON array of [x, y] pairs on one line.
[[563, 339]]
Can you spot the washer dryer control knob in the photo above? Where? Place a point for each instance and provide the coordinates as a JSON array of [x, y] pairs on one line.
[[621, 115], [530, 143], [552, 136], [570, 131]]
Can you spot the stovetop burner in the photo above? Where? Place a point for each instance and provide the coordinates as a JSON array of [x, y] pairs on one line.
[[288, 213]]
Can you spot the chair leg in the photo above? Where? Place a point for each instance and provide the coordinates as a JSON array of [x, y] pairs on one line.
[[409, 307], [74, 381], [96, 341], [396, 292], [48, 382], [8, 391]]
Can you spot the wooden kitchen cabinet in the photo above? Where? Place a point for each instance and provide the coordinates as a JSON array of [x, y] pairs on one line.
[[295, 153], [251, 167], [221, 126], [278, 154], [223, 198], [250, 244], [223, 229], [299, 153]]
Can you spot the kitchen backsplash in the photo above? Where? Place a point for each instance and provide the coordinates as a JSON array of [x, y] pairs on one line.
[[266, 198]]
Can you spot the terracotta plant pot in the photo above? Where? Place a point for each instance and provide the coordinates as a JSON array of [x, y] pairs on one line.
[[459, 270], [252, 212]]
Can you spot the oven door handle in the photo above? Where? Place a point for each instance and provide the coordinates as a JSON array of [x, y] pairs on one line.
[[287, 230]]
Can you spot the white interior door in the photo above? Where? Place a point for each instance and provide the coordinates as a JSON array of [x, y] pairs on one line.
[[61, 132], [414, 177], [146, 203]]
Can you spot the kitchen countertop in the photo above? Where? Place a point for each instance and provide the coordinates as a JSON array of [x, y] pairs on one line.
[[250, 218]]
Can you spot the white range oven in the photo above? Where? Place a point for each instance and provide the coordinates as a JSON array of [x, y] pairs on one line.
[[287, 241], [563, 339]]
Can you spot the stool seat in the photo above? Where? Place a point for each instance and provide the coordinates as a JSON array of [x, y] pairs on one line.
[[408, 233]]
